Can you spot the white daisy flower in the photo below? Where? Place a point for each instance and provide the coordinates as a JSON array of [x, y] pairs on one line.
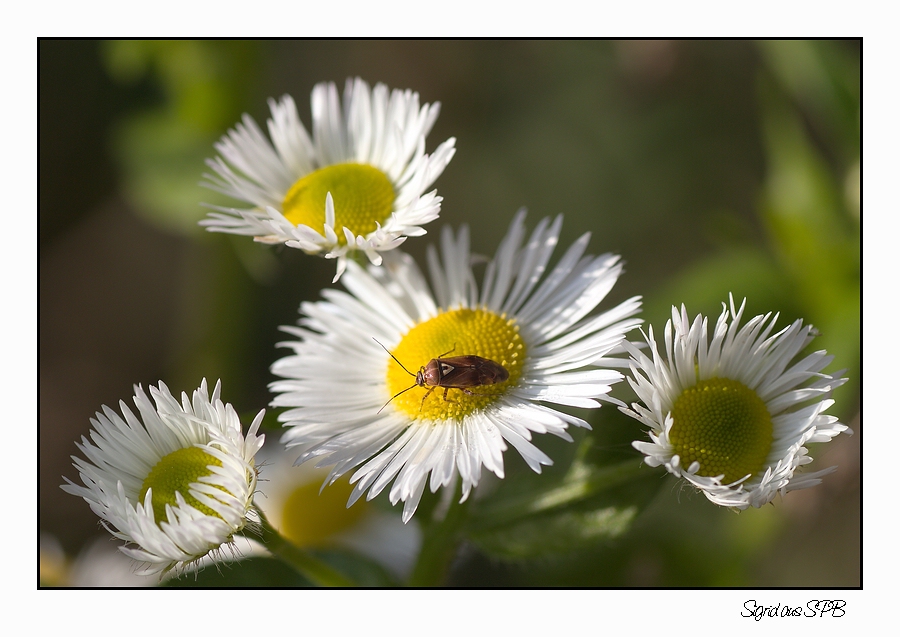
[[357, 184], [732, 416], [509, 354], [178, 483]]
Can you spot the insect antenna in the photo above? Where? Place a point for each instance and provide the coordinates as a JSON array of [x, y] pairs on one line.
[[393, 397], [398, 362], [404, 369]]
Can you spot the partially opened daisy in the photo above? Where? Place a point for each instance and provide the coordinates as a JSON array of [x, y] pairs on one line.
[[358, 183], [176, 484], [356, 403], [732, 415]]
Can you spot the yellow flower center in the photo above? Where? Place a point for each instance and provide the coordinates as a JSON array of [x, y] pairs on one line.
[[309, 519], [463, 356], [174, 473], [363, 197], [723, 425]]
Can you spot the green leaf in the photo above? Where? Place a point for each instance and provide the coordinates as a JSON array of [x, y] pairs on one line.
[[590, 504], [556, 533]]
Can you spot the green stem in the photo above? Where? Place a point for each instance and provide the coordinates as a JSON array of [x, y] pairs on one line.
[[439, 543], [312, 568]]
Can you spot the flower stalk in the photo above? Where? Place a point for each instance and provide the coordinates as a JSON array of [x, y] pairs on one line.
[[312, 568], [440, 542]]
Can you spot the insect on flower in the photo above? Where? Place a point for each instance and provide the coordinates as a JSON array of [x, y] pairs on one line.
[[456, 372]]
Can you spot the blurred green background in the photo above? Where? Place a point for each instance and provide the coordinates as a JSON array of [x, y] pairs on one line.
[[711, 167]]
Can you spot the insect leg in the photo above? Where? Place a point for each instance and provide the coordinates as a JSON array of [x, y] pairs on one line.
[[450, 400], [445, 353], [427, 394]]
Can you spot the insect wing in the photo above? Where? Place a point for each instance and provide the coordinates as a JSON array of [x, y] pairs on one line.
[[470, 371]]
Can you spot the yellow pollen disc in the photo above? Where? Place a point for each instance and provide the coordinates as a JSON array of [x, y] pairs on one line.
[[175, 472], [310, 518], [363, 197], [723, 425], [451, 334]]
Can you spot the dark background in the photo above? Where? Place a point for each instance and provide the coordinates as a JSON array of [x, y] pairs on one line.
[[711, 167]]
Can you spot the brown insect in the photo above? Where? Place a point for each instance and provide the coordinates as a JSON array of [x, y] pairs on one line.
[[456, 372]]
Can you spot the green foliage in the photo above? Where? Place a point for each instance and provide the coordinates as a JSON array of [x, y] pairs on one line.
[[558, 532], [271, 572], [533, 516], [202, 87], [249, 573], [809, 205]]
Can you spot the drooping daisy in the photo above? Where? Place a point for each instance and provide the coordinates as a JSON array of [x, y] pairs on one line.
[[354, 406], [178, 483], [357, 184], [732, 416]]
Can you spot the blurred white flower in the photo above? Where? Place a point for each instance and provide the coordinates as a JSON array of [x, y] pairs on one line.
[[357, 184], [311, 517]]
